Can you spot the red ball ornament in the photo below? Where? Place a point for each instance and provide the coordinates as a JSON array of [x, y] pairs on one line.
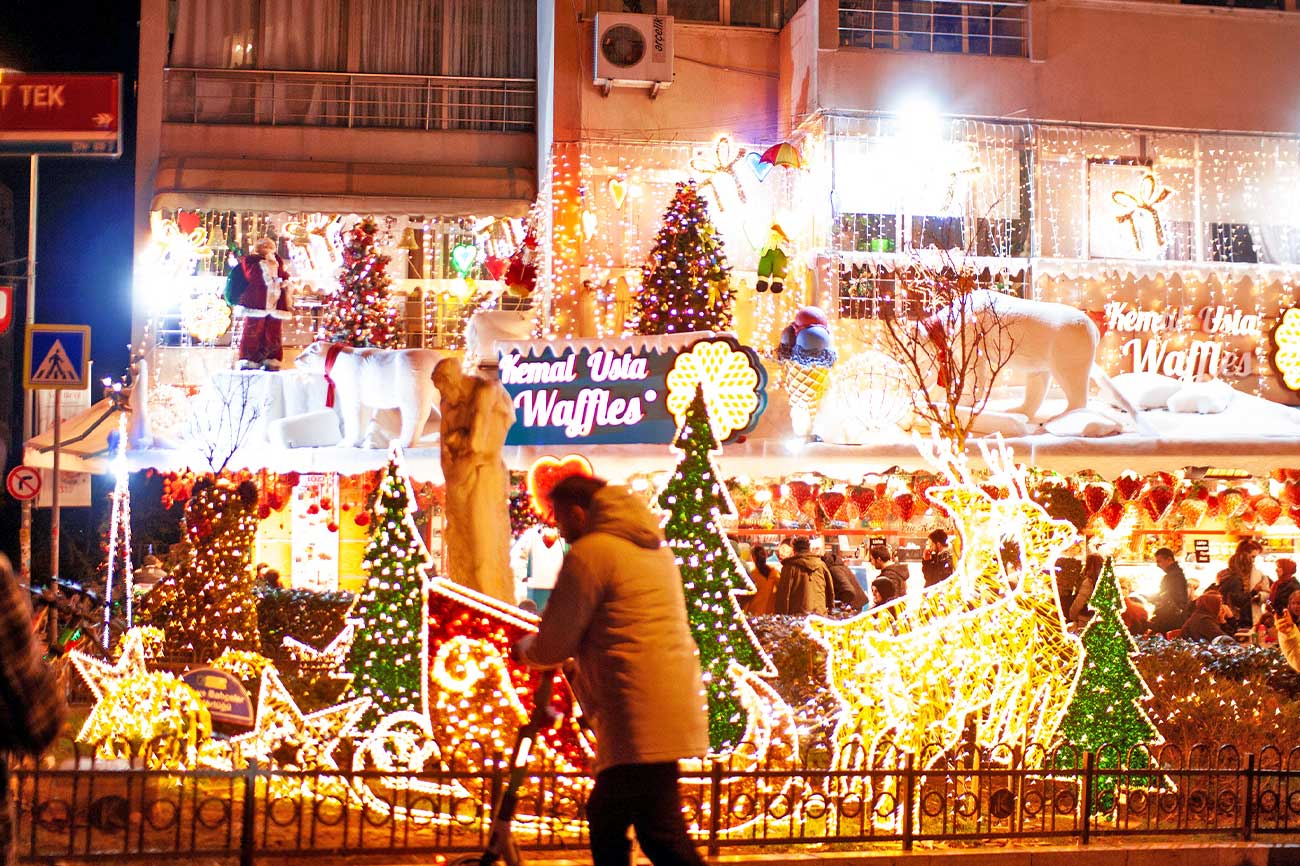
[[332, 526], [263, 512], [313, 508], [362, 519], [326, 503]]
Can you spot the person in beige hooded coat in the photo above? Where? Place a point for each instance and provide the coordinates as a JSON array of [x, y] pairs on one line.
[[619, 611]]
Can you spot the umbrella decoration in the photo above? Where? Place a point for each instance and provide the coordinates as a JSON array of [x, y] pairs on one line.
[[784, 154]]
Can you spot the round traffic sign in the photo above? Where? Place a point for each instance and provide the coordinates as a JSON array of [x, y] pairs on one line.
[[23, 483]]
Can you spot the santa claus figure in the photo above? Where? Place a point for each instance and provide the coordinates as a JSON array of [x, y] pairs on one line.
[[265, 303]]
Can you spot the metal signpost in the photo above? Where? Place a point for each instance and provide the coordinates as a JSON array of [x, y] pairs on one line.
[[53, 115], [56, 358]]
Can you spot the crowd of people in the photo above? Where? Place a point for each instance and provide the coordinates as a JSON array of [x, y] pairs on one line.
[[803, 581]]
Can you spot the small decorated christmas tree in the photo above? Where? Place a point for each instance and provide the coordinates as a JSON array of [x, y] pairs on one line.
[[388, 658], [206, 604], [361, 313], [712, 574], [684, 283], [1105, 714]]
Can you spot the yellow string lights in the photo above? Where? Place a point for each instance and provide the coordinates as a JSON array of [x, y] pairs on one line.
[[987, 647]]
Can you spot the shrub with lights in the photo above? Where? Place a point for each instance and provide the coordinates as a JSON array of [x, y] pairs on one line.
[[684, 283]]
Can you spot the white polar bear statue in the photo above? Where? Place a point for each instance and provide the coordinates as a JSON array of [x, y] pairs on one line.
[[366, 380], [1045, 341]]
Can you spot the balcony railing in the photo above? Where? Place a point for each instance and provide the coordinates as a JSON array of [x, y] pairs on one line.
[[989, 27], [341, 99]]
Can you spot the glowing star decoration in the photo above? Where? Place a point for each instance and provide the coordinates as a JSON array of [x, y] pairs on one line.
[[1286, 348], [545, 473], [1150, 193], [99, 676], [332, 658], [713, 578], [151, 717], [285, 738], [242, 664], [733, 381], [986, 649], [205, 318]]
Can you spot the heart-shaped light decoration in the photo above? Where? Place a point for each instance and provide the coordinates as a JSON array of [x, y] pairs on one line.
[[589, 224], [617, 191], [545, 473], [1268, 509], [549, 538], [495, 266], [463, 258], [1127, 486], [761, 169]]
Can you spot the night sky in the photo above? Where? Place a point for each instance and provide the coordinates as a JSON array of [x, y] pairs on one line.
[[84, 255]]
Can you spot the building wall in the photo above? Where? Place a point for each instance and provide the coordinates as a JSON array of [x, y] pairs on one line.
[[1092, 61]]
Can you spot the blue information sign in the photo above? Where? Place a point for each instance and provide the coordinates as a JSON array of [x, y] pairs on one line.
[[57, 357]]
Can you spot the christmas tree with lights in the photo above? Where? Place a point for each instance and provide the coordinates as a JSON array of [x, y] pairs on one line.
[[361, 312], [712, 574], [1105, 714], [206, 604], [388, 658], [684, 284]]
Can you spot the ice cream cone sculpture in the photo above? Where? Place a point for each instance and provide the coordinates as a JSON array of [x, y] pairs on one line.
[[807, 354]]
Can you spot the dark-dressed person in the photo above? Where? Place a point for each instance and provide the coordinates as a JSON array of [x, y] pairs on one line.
[[619, 611], [1080, 613], [1285, 587], [1205, 622], [765, 578], [895, 572], [847, 589], [882, 591], [806, 585], [31, 702], [936, 559], [1171, 601]]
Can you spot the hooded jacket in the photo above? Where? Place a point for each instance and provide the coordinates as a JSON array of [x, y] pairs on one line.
[[1203, 624], [619, 611], [805, 586]]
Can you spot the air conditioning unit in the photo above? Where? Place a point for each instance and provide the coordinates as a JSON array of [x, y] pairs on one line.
[[633, 51]]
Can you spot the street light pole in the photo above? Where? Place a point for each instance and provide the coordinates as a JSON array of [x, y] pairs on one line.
[[29, 397]]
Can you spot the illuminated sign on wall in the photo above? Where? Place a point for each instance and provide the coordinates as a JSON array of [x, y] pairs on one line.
[[626, 391], [1184, 344]]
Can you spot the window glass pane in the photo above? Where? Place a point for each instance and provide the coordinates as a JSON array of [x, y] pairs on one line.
[[694, 10], [755, 13]]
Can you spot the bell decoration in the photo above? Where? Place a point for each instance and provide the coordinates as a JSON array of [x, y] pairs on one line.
[[408, 240]]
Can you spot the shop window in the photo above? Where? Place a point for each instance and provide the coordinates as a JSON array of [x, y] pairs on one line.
[[695, 10], [1008, 238], [945, 233], [867, 232], [981, 27], [1239, 4], [1231, 242], [1179, 235]]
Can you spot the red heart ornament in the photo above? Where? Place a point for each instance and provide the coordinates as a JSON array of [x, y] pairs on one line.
[[549, 538], [1291, 493], [1095, 497], [1157, 501], [803, 492], [545, 473], [831, 503], [1112, 513], [187, 222], [1268, 509], [1294, 514], [1127, 486], [905, 504], [862, 497]]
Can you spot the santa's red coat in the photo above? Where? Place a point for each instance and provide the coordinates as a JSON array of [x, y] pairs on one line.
[[253, 298]]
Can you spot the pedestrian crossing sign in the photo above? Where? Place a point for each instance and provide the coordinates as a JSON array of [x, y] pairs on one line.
[[57, 357]]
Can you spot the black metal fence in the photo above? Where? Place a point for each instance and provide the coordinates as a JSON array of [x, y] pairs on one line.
[[93, 811]]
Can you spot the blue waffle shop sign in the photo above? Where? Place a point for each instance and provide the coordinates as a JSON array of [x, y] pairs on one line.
[[607, 393]]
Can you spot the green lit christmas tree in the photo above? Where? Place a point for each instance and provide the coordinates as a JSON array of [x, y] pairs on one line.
[[712, 575], [684, 283], [361, 312], [388, 657], [1105, 715]]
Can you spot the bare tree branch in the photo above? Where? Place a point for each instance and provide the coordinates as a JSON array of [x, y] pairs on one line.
[[222, 423]]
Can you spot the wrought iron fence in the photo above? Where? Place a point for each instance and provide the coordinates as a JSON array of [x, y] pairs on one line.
[[339, 99], [92, 811], [989, 27]]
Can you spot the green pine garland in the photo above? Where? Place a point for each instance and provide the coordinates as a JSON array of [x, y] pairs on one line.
[[387, 658], [712, 574]]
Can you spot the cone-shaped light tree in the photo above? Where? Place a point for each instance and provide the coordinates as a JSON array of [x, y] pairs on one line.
[[361, 313], [1105, 714], [684, 283], [712, 575], [388, 659]]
